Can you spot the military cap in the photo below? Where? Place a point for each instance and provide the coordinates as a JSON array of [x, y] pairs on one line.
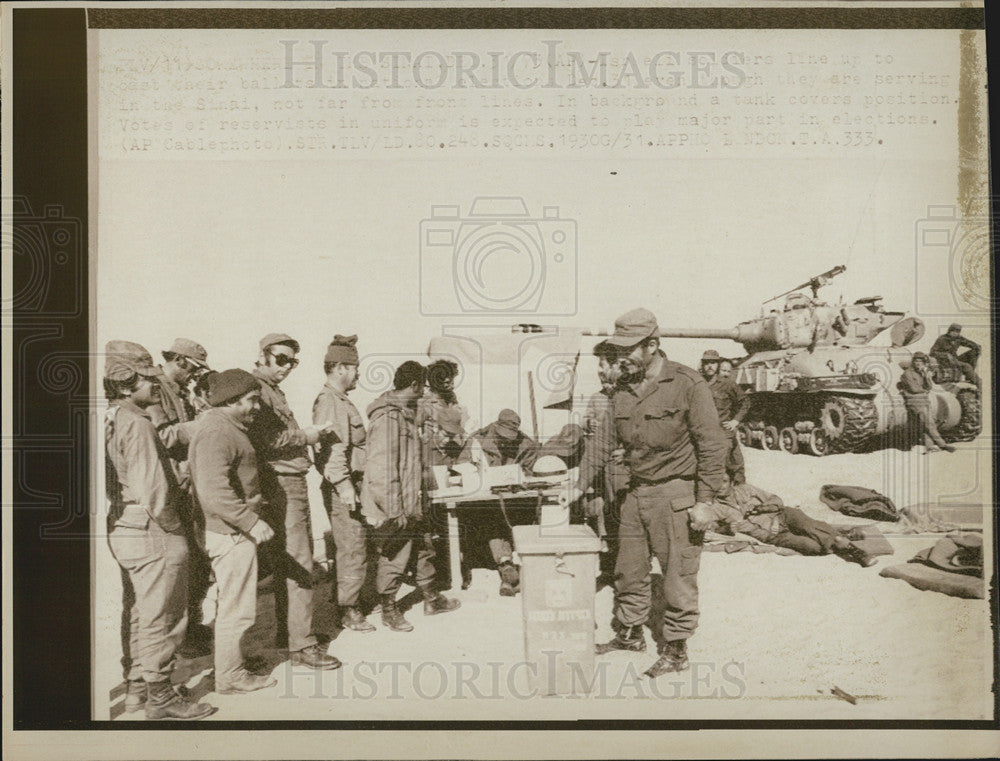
[[508, 423], [449, 419], [185, 347], [633, 327], [278, 338], [954, 328], [711, 355], [125, 359], [228, 385], [342, 349]]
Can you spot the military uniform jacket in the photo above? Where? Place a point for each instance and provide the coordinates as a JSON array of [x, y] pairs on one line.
[[141, 485], [730, 400], [670, 429], [945, 348], [391, 487], [596, 468], [344, 456], [275, 433], [172, 418]]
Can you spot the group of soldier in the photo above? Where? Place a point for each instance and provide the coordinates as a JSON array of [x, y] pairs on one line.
[[206, 471], [206, 468]]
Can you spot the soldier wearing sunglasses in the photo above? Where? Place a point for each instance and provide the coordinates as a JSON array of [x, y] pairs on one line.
[[282, 449]]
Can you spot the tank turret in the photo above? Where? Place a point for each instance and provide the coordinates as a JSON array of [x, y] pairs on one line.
[[818, 380]]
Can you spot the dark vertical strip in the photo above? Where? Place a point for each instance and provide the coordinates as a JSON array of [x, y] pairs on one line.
[[51, 568]]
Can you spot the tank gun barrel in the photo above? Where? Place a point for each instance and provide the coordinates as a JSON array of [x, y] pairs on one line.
[[742, 332]]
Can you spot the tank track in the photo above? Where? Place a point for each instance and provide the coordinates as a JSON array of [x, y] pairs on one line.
[[971, 423], [860, 422]]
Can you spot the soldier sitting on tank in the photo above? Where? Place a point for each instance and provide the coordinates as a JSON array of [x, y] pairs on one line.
[[750, 510], [946, 350], [915, 386], [732, 404], [726, 369]]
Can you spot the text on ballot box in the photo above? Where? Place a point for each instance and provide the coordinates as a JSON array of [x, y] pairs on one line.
[[558, 568]]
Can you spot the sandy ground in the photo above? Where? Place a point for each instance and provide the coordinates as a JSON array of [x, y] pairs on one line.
[[777, 633]]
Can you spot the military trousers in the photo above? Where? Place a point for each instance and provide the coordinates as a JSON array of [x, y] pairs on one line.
[[350, 537], [234, 562], [154, 616], [654, 522], [805, 535], [400, 547], [735, 466], [922, 420], [286, 500]]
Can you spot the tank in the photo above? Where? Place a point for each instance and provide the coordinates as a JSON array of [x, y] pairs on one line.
[[819, 385]]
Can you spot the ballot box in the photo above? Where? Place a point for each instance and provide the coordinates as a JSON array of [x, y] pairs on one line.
[[558, 569]]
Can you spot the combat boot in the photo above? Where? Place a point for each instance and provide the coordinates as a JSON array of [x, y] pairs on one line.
[[352, 618], [315, 657], [673, 657], [510, 580], [391, 616], [435, 602], [854, 554], [164, 702], [135, 695], [626, 638]]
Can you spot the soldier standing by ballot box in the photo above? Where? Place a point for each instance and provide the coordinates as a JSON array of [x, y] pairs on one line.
[[675, 449]]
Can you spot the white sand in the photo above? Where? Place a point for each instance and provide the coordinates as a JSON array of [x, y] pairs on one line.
[[776, 635]]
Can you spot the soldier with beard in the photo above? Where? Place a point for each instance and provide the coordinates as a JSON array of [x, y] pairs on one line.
[[675, 449]]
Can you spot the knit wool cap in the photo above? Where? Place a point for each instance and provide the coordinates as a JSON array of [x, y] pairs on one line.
[[342, 349], [230, 384]]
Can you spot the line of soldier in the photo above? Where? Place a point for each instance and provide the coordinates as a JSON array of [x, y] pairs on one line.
[[197, 482]]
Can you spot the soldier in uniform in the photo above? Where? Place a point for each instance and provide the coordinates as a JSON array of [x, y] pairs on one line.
[[282, 448], [915, 385], [226, 485], [172, 416], [502, 443], [440, 395], [391, 497], [955, 351], [146, 536], [732, 405], [340, 459], [676, 451], [607, 476], [726, 369]]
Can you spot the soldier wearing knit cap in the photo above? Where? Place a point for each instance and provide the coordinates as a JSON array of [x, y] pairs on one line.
[[226, 486], [340, 459], [145, 536], [282, 449]]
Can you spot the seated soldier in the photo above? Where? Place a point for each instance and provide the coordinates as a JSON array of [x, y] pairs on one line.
[[502, 443], [752, 511], [955, 351]]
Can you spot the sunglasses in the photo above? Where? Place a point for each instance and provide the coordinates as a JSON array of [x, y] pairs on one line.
[[283, 360]]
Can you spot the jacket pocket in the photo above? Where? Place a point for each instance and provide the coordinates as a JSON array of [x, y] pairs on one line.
[[682, 503], [690, 561], [130, 546], [663, 427], [133, 516]]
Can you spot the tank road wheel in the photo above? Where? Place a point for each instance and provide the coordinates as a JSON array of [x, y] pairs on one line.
[[971, 423], [770, 438], [848, 421], [788, 440], [743, 434], [819, 444]]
